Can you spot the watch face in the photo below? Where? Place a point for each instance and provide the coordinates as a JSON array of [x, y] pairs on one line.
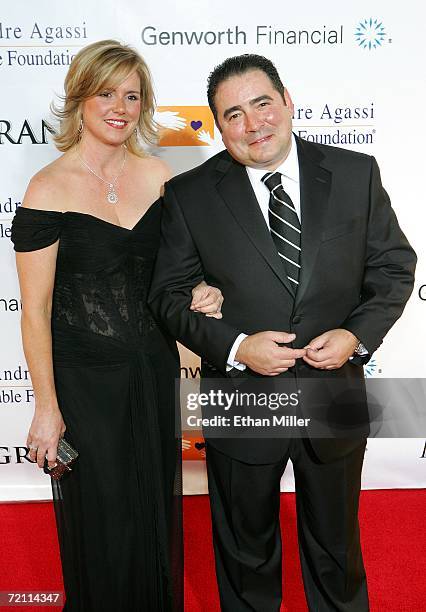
[[360, 349]]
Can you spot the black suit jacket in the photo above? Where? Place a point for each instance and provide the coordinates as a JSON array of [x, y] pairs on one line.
[[357, 267]]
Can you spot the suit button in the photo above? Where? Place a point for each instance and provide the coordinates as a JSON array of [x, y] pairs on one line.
[[297, 319]]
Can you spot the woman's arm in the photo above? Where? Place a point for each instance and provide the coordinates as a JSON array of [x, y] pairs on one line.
[[36, 271]]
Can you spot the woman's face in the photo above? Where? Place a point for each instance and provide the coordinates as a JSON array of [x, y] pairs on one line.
[[112, 115]]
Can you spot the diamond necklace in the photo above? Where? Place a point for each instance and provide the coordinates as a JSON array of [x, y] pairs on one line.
[[112, 197]]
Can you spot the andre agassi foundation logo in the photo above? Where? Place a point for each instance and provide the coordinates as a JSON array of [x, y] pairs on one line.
[[185, 126]]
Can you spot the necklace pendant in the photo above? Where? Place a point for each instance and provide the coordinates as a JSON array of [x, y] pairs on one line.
[[112, 197]]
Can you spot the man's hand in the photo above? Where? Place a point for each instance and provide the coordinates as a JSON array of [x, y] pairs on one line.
[[261, 353], [331, 350]]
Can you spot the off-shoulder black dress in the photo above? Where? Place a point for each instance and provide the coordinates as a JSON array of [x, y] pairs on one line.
[[117, 513]]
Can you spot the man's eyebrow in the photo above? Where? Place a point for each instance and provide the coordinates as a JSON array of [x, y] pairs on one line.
[[232, 109], [259, 99]]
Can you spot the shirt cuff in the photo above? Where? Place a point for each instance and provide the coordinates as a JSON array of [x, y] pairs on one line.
[[231, 363]]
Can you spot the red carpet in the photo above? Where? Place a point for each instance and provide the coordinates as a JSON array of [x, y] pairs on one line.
[[392, 527]]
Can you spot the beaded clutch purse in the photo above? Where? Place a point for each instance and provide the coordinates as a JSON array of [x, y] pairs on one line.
[[66, 456]]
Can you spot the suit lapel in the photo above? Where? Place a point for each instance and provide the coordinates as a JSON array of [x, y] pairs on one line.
[[315, 183], [235, 189]]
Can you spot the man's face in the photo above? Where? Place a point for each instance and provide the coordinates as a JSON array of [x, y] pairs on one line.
[[254, 120]]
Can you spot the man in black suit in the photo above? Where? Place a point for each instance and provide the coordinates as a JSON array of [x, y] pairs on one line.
[[314, 270]]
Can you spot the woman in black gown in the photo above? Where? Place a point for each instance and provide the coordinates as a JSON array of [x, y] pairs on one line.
[[101, 367]]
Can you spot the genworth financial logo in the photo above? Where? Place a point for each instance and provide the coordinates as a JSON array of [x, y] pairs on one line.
[[371, 34]]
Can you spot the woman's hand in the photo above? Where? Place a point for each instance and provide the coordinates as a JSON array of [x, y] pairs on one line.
[[46, 428], [207, 300]]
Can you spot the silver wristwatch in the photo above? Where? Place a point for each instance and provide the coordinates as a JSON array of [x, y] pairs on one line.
[[360, 349]]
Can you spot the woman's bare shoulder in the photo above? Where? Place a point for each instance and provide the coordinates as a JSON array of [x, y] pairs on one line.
[[153, 167], [45, 190], [149, 175]]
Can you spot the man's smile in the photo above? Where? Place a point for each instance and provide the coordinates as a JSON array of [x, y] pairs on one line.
[[261, 140]]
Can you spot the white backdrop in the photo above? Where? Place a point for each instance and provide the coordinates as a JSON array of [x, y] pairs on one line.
[[354, 71]]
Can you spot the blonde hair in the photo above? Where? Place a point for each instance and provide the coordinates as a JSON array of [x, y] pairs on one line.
[[104, 64]]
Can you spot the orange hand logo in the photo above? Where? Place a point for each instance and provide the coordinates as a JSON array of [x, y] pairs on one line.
[[193, 447], [185, 126]]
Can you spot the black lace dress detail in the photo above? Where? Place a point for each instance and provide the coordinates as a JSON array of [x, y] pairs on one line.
[[118, 512]]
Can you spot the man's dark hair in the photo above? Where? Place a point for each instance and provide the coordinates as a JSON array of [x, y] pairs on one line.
[[237, 65]]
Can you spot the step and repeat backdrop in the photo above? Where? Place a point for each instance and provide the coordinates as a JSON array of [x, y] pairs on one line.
[[356, 77]]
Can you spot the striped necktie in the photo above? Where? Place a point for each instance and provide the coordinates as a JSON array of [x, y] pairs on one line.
[[284, 225]]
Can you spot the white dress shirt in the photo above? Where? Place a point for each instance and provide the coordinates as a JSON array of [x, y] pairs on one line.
[[290, 180]]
